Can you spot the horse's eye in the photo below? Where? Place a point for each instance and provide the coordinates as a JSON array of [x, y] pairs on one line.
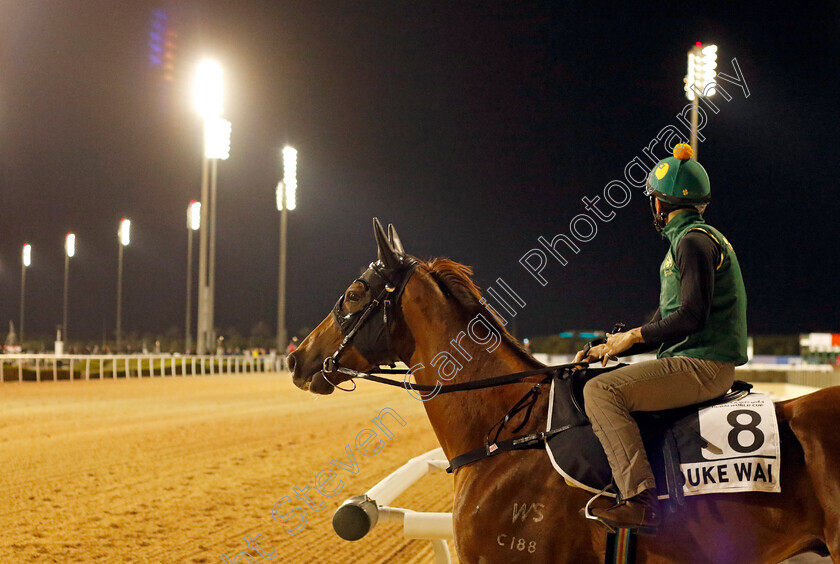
[[353, 297]]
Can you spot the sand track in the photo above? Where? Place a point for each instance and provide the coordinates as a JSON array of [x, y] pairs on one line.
[[179, 469]]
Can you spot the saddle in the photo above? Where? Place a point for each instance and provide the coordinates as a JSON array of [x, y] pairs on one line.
[[578, 456]]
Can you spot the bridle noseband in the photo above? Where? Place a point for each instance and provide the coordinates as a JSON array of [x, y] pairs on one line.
[[364, 330]]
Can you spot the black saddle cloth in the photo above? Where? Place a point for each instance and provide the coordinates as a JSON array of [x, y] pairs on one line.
[[670, 434]]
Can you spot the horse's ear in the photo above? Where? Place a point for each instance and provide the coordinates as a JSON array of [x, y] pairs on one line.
[[387, 254], [396, 244]]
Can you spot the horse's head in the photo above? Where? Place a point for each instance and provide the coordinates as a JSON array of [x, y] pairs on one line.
[[361, 331]]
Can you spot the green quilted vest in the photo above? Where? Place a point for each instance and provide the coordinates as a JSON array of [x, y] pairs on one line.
[[724, 338]]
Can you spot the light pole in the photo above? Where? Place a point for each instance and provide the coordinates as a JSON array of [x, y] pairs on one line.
[[69, 252], [26, 260], [193, 224], [209, 102], [286, 200], [124, 239], [699, 81]]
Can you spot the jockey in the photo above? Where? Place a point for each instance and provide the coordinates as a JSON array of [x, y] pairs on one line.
[[700, 330]]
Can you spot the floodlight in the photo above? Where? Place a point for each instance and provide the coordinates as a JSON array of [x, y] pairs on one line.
[[124, 232], [70, 244]]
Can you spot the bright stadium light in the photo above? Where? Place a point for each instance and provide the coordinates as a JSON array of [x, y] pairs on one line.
[[209, 95], [26, 260], [193, 224], [124, 232], [702, 62], [699, 81], [286, 201], [70, 245], [209, 101], [69, 251], [194, 215], [290, 176], [217, 138], [124, 236]]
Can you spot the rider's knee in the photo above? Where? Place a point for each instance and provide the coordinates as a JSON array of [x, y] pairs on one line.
[[594, 392]]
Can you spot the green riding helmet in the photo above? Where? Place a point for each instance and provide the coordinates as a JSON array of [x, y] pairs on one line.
[[677, 181]]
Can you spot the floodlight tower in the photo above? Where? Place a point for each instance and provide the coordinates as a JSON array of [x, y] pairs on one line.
[[209, 100], [123, 234], [699, 81], [286, 201], [193, 224], [25, 261], [69, 252]]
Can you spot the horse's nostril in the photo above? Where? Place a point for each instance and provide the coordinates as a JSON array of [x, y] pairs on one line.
[[291, 361]]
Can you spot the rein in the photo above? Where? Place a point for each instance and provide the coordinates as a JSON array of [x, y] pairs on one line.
[[492, 382]]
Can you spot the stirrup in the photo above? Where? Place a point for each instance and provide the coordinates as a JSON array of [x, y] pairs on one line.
[[612, 526], [589, 515]]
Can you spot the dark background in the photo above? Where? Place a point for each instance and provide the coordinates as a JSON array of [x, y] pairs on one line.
[[474, 127]]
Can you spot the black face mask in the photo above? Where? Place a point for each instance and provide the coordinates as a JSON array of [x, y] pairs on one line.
[[368, 326]]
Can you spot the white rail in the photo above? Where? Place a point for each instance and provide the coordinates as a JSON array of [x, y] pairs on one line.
[[83, 366], [358, 515]]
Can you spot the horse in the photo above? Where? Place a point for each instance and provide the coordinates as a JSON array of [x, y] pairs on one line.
[[513, 507]]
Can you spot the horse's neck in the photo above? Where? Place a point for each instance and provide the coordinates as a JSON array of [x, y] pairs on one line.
[[461, 420]]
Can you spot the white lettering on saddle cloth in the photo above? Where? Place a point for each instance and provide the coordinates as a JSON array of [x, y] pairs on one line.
[[742, 452]]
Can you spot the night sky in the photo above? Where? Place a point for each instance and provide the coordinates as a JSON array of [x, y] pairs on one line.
[[474, 127]]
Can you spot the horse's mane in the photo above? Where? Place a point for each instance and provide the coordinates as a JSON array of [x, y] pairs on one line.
[[455, 280]]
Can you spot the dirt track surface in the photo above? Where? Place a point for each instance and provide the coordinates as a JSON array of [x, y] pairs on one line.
[[179, 469]]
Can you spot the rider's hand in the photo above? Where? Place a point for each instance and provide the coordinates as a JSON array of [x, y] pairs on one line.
[[617, 343], [595, 353]]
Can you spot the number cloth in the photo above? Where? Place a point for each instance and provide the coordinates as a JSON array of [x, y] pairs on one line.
[[742, 453]]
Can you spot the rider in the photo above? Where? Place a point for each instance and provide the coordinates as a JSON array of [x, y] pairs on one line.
[[700, 329]]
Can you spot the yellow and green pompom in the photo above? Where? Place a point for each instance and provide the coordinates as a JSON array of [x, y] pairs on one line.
[[683, 151]]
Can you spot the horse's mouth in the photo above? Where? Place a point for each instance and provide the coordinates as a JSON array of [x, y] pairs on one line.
[[316, 383]]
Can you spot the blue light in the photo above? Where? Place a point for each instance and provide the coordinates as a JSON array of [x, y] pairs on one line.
[[588, 336], [567, 334]]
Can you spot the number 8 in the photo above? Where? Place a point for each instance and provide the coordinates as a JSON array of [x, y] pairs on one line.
[[752, 426]]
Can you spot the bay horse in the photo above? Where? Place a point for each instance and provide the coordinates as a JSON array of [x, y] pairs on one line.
[[514, 507]]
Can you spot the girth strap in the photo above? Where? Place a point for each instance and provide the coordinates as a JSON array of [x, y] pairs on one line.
[[532, 441]]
